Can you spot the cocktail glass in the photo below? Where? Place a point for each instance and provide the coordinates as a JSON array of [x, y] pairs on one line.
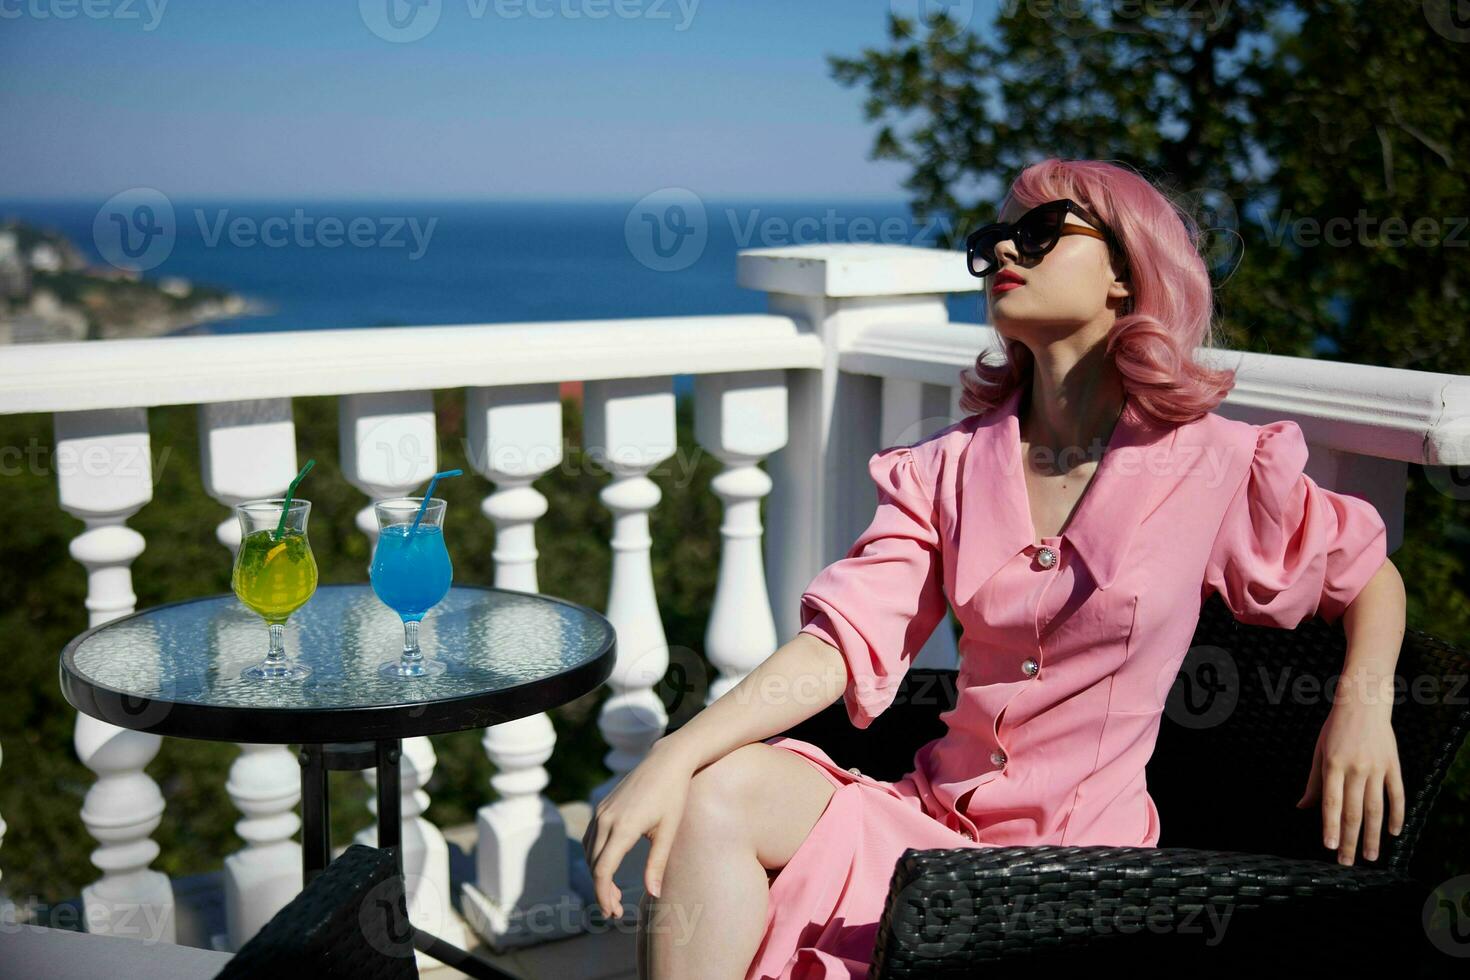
[[275, 573], [411, 573]]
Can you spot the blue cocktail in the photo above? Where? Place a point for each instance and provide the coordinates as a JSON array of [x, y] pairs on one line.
[[411, 573]]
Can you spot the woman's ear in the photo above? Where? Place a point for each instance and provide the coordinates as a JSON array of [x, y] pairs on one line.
[[1122, 289]]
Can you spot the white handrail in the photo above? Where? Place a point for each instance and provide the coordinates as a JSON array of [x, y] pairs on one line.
[[152, 371], [1388, 413]]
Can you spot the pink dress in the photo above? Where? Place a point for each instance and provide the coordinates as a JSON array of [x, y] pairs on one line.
[[1070, 643]]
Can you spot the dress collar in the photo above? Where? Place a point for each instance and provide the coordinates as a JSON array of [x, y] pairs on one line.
[[995, 522]]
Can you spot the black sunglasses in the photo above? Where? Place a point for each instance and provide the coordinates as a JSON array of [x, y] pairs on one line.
[[1035, 233]]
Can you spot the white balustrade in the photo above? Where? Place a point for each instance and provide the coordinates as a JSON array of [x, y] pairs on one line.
[[630, 429], [522, 864], [389, 447], [104, 476], [248, 451], [741, 419]]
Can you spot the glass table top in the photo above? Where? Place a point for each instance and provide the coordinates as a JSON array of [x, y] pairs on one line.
[[191, 653]]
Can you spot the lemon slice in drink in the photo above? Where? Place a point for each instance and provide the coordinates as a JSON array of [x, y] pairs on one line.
[[274, 551]]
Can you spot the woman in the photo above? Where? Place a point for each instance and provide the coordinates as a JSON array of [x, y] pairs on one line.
[[1078, 577]]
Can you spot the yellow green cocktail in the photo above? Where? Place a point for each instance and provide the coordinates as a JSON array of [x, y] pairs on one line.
[[275, 578], [275, 574]]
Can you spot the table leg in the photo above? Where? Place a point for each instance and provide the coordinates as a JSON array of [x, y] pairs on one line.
[[316, 833], [316, 837], [389, 754], [390, 791]]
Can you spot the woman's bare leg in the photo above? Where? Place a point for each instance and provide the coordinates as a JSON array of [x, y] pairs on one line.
[[746, 813]]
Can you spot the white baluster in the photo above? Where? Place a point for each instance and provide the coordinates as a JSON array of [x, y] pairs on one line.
[[262, 877], [104, 476], [521, 857], [389, 448], [630, 429], [248, 451], [741, 419], [425, 852]]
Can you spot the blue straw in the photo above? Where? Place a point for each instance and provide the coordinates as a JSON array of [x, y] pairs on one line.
[[429, 493]]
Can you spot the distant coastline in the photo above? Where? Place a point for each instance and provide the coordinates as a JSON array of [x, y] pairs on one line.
[[49, 293]]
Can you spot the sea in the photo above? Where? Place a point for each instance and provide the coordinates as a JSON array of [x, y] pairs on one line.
[[322, 265]]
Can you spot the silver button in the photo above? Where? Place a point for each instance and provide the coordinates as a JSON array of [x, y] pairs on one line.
[[1046, 557], [1030, 667], [854, 770], [967, 835], [998, 757]]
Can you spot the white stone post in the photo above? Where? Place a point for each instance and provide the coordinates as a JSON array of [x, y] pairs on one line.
[[522, 861], [104, 475], [630, 428], [248, 451], [741, 419]]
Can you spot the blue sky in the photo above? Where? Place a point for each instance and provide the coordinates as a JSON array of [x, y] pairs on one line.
[[301, 98]]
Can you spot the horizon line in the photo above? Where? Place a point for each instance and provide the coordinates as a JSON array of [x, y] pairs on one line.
[[101, 197]]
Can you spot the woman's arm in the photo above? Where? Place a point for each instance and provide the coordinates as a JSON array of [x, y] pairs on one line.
[[1356, 761], [801, 678]]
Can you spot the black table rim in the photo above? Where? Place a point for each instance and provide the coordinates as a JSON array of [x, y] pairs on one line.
[[218, 723]]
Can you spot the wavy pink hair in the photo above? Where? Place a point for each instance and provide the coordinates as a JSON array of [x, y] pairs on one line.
[[1168, 316]]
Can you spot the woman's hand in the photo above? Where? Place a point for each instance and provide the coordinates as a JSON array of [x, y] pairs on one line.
[[648, 802], [1356, 761]]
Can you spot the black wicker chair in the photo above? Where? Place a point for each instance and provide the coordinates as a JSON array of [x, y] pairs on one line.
[[1240, 879], [350, 922]]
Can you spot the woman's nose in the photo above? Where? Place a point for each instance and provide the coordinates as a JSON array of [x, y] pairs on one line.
[[1006, 251]]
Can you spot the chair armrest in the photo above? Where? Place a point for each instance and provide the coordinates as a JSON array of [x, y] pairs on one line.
[[349, 923], [950, 909]]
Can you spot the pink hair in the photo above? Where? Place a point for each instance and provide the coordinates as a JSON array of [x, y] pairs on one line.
[[1169, 314]]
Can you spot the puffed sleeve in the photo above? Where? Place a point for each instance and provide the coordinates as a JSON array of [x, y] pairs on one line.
[[1288, 548], [880, 603]]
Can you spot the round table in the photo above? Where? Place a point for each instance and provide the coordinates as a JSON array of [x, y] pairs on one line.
[[174, 669]]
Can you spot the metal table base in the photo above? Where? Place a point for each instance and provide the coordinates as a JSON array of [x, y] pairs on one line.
[[316, 835]]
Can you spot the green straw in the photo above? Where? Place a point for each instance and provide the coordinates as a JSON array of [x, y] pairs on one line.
[[291, 492], [429, 493]]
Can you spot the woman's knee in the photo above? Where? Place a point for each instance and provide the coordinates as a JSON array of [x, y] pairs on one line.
[[754, 795], [721, 791]]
